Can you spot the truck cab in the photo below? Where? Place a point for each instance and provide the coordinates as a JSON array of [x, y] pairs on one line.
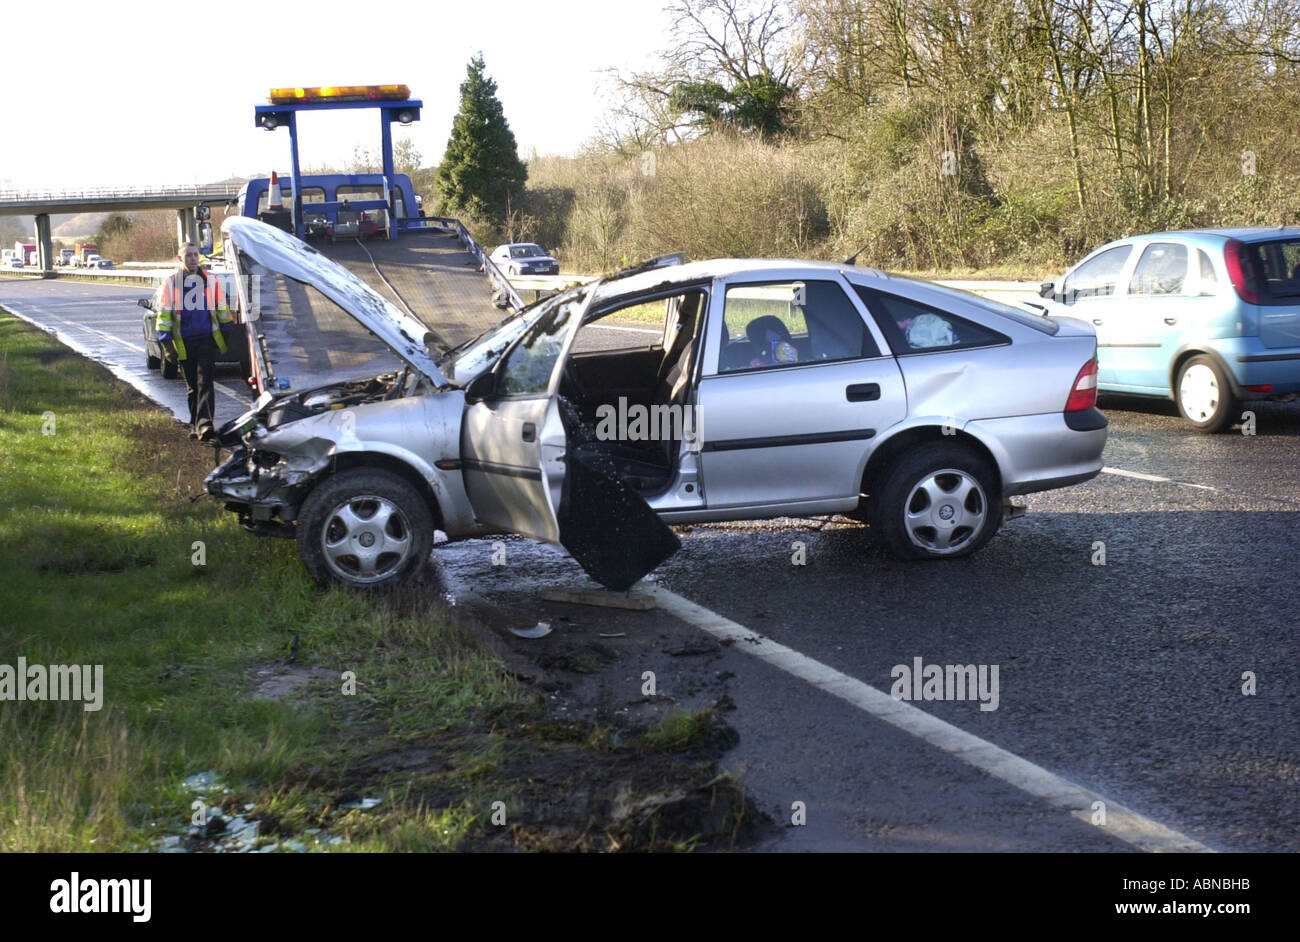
[[333, 204]]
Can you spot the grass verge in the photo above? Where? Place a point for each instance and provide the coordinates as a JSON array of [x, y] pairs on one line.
[[220, 656]]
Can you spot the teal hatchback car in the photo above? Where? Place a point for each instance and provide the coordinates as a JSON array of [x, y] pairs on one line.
[[1209, 318]]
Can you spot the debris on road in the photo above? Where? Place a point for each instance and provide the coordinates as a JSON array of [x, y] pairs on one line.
[[600, 597], [540, 630], [694, 646]]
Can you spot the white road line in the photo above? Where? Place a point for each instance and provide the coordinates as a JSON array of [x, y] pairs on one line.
[[635, 330], [75, 326], [1121, 822], [117, 369], [1138, 475], [82, 302]]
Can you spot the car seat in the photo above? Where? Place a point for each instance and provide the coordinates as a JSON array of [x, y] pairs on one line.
[[647, 466], [771, 341]]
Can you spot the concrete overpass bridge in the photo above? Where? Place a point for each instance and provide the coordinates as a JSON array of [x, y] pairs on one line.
[[44, 203]]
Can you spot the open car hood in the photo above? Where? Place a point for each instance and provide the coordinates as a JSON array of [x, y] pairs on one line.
[[282, 253]]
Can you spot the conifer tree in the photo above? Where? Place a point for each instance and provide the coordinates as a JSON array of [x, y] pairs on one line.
[[481, 168]]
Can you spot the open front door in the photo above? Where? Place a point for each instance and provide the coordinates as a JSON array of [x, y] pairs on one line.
[[512, 439], [532, 467]]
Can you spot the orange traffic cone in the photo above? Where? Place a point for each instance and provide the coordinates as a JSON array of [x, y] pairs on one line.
[[275, 199]]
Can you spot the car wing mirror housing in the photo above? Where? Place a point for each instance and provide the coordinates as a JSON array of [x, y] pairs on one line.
[[481, 387], [145, 303], [1047, 289]]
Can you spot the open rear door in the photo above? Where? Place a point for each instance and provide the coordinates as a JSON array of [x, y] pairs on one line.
[[532, 467]]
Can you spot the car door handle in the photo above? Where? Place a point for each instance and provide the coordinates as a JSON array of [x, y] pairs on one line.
[[1171, 321], [1097, 321], [863, 392], [530, 432]]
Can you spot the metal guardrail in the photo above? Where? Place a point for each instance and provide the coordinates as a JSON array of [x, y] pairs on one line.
[[210, 191], [115, 276], [499, 281]]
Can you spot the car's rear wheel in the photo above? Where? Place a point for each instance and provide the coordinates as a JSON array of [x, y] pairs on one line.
[[1205, 396], [364, 528], [938, 501]]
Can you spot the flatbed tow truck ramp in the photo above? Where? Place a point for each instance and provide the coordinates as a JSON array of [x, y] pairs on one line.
[[429, 272]]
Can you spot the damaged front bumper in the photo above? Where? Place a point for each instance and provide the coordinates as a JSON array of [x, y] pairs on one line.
[[264, 489]]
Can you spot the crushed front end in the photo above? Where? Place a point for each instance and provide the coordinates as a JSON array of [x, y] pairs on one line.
[[283, 444]]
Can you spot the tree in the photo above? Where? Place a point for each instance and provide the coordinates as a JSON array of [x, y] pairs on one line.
[[758, 104], [733, 64], [481, 169]]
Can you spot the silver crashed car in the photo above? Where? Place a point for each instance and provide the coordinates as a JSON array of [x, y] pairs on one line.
[[769, 388]]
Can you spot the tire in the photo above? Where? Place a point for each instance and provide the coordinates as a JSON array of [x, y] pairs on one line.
[[170, 369], [152, 362], [908, 511], [327, 539], [1204, 395]]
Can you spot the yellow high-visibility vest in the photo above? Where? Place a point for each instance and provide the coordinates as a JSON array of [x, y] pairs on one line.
[[172, 308]]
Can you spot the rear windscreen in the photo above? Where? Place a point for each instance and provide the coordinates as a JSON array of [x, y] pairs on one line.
[[1276, 269]]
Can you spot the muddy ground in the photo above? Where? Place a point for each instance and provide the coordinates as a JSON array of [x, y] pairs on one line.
[[596, 764]]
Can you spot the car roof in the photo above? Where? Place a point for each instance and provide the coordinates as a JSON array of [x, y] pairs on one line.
[[1243, 233], [707, 270]]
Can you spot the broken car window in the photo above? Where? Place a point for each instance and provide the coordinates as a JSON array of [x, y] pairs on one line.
[[528, 367], [479, 354]]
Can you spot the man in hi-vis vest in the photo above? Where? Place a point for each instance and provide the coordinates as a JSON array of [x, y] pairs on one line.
[[191, 316]]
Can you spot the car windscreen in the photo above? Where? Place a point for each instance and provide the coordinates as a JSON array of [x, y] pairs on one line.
[[526, 251], [1277, 269]]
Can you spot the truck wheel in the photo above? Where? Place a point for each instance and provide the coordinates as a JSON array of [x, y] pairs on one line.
[[363, 528], [939, 501], [1205, 396], [170, 370], [152, 362]]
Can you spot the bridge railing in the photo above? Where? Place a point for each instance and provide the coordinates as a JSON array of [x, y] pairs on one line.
[[203, 191]]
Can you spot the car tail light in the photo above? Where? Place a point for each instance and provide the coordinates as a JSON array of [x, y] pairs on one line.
[[1241, 271], [1083, 395]]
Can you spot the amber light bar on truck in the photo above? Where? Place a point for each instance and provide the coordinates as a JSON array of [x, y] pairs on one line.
[[290, 96]]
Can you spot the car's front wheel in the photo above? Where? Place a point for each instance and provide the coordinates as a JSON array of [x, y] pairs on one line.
[[938, 501], [170, 369], [152, 362], [1205, 396], [364, 527]]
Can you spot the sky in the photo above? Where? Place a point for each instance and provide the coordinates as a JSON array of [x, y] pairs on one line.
[[101, 98]]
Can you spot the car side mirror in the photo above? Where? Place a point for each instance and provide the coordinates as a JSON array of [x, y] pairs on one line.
[[205, 238], [481, 387], [1047, 289], [145, 303]]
